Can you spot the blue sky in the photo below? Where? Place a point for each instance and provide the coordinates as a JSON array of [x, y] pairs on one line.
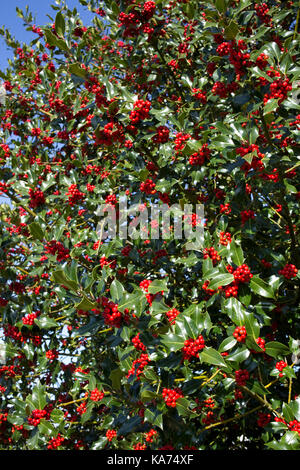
[[39, 9]]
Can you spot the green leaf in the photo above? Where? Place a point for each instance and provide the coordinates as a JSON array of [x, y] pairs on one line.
[[116, 376], [259, 389], [45, 322], [251, 324], [130, 425], [260, 287], [290, 441], [240, 355], [173, 342], [154, 417], [275, 349], [36, 231], [235, 311], [221, 5], [157, 286], [295, 407], [33, 441], [190, 327], [86, 305], [131, 300], [60, 278], [100, 444], [231, 30], [89, 329], [270, 106], [57, 416], [182, 406], [147, 395], [211, 356], [54, 41], [45, 427], [116, 291], [39, 396], [17, 419], [221, 279], [60, 25], [273, 50], [236, 253], [77, 70], [158, 306], [227, 344], [287, 412]]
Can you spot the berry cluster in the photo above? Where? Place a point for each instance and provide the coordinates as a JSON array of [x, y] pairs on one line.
[[150, 435], [199, 157], [171, 396], [110, 434], [262, 61], [111, 199], [212, 254], [262, 13], [140, 111], [145, 284], [294, 426], [162, 135], [231, 290], [242, 274], [240, 334], [225, 238], [246, 215], [261, 343], [224, 49], [209, 418], [111, 132], [138, 366], [225, 208], [29, 319], [57, 248], [137, 343], [223, 90], [55, 442], [36, 415], [148, 9], [51, 354], [74, 195], [37, 198], [96, 395], [199, 95], [148, 186], [288, 271], [192, 347], [266, 264], [263, 419], [251, 148], [126, 250], [278, 90], [180, 140], [81, 409], [139, 446], [3, 417], [172, 314], [280, 366], [111, 314], [208, 291], [241, 376]]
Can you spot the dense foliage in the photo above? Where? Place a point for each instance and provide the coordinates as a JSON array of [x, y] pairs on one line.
[[142, 343]]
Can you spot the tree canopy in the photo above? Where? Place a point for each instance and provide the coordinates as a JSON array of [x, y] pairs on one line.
[[144, 342]]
